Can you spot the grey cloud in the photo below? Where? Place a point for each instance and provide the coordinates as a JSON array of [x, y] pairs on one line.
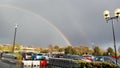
[[81, 21]]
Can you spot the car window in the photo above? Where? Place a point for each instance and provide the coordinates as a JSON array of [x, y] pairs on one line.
[[107, 59]]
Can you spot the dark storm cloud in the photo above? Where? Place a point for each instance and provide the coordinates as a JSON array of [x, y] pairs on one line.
[[81, 21]]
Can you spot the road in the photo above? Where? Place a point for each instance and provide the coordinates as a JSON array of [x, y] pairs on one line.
[[4, 64]]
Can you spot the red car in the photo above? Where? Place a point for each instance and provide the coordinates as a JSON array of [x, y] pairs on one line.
[[88, 58]]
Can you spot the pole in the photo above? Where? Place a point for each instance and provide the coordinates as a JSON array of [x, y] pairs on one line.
[[14, 39], [114, 40]]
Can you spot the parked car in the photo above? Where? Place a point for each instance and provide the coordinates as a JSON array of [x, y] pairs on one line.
[[88, 58], [9, 58], [46, 55], [37, 56], [106, 59], [27, 55], [74, 57]]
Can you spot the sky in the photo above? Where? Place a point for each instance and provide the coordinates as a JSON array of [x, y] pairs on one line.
[[59, 22]]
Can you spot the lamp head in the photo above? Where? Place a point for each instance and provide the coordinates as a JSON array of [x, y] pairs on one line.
[[117, 12], [106, 14], [16, 25]]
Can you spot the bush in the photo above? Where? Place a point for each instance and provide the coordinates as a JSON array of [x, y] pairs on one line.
[[83, 64]]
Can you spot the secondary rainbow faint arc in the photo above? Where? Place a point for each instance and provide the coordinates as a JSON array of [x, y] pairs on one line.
[[25, 10]]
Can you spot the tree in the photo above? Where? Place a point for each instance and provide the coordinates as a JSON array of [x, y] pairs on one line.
[[1, 47], [45, 51], [96, 51], [76, 50], [17, 46], [83, 49], [37, 49], [110, 51], [9, 47], [90, 51], [56, 47], [61, 49], [51, 48], [69, 50]]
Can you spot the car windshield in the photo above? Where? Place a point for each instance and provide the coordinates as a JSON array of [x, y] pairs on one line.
[[29, 53], [40, 54], [75, 57]]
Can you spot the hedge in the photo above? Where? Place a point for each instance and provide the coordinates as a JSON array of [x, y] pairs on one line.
[[82, 64]]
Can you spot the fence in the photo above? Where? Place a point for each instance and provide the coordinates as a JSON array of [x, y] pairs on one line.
[[63, 63]]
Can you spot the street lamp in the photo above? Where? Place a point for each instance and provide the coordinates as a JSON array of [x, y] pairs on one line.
[[115, 17], [14, 38]]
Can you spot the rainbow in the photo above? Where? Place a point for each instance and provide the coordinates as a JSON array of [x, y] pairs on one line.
[[38, 16]]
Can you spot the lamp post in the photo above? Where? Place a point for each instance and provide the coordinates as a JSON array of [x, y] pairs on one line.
[[14, 38], [108, 18]]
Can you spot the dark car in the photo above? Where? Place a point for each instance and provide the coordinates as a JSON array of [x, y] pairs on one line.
[[105, 59], [9, 57], [27, 55], [74, 57]]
